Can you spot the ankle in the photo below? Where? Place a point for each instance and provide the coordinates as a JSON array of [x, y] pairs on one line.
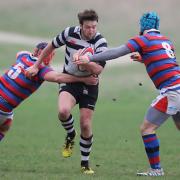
[[84, 163]]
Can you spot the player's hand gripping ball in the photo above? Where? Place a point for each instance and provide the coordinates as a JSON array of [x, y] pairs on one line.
[[85, 51]]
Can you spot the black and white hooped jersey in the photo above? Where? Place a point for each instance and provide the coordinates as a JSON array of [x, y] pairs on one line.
[[71, 37]]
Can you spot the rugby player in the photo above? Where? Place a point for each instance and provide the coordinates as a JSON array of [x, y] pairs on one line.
[[75, 38], [158, 55], [15, 87]]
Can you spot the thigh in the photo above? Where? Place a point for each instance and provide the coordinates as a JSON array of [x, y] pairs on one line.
[[88, 97], [155, 116], [66, 101], [176, 119]]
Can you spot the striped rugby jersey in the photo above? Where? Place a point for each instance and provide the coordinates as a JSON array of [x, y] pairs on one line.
[[158, 55], [71, 37], [14, 86]]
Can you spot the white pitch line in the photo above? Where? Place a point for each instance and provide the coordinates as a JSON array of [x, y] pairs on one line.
[[15, 38]]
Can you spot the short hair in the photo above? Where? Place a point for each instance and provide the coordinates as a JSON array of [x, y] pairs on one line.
[[87, 15], [41, 45]]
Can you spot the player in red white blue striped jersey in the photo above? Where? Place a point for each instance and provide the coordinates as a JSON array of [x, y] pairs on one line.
[[15, 87], [156, 51]]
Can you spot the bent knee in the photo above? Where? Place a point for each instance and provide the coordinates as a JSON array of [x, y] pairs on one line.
[[147, 129], [63, 114], [4, 128], [178, 126], [6, 125], [85, 124]]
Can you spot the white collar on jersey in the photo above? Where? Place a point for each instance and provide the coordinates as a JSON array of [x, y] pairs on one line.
[[151, 30]]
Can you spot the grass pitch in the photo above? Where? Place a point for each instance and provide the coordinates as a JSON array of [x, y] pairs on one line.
[[31, 149]]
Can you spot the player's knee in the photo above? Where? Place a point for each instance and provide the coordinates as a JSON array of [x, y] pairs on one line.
[[64, 113], [178, 126], [4, 127], [146, 129], [85, 125], [141, 128]]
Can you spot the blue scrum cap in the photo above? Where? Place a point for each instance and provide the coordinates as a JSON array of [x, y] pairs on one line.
[[149, 20], [41, 45]]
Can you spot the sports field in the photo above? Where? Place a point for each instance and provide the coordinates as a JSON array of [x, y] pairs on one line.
[[31, 149]]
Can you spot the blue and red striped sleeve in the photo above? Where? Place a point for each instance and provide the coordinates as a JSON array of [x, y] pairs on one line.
[[43, 70], [137, 43]]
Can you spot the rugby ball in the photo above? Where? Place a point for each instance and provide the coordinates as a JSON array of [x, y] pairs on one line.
[[85, 51]]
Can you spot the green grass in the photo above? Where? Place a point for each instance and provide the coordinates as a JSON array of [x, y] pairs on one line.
[[31, 148], [118, 20], [9, 51]]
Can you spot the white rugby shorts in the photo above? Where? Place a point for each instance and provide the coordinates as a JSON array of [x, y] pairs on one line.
[[168, 101]]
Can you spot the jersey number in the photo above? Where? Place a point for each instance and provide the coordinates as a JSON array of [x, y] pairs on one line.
[[15, 71], [168, 49]]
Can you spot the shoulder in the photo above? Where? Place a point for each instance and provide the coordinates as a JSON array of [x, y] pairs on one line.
[[23, 53], [99, 36], [26, 57], [142, 40], [100, 43], [72, 30]]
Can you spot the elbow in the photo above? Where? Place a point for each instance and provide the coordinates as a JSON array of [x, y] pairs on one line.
[[56, 79], [59, 80]]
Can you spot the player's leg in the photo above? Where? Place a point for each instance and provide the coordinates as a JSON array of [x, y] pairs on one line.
[[4, 128], [6, 117], [174, 101], [153, 120], [87, 104], [86, 138], [5, 122], [176, 119], [65, 103]]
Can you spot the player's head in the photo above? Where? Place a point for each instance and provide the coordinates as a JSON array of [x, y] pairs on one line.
[[88, 20], [149, 20], [39, 48]]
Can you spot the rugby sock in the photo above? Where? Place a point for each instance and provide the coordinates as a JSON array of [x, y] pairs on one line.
[[151, 144], [85, 148], [1, 136], [68, 126]]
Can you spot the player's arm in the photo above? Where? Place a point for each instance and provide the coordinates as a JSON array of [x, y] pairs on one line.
[[93, 68], [33, 70], [45, 53], [109, 54], [53, 76], [135, 44]]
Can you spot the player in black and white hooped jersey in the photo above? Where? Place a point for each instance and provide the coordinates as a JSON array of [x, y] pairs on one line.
[[74, 40], [70, 94]]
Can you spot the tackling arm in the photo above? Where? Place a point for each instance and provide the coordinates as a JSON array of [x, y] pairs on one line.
[[33, 70], [45, 53], [93, 68], [53, 76], [110, 54]]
